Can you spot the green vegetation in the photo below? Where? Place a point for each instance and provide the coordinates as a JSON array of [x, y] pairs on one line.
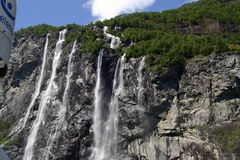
[[193, 13], [167, 38], [229, 138], [3, 141], [93, 46], [39, 30], [91, 40], [4, 126], [226, 136], [174, 36]]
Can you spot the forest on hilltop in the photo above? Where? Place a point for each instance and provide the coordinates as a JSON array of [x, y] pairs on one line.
[[166, 38]]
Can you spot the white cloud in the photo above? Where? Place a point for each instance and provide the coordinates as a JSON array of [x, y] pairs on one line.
[[105, 9]]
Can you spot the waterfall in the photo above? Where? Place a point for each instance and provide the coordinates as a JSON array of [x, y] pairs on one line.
[[97, 118], [141, 89], [115, 41], [38, 85], [61, 124], [68, 82], [45, 99], [140, 93], [111, 125], [106, 131]]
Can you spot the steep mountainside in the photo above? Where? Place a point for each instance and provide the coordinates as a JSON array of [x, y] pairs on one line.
[[165, 90]]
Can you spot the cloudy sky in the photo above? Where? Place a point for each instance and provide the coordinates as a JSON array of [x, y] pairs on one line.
[[60, 12]]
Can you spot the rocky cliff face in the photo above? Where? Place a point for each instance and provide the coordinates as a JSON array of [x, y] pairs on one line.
[[191, 112]]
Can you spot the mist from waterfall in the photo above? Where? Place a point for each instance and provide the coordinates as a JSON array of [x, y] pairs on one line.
[[61, 122], [38, 86], [45, 100], [106, 130]]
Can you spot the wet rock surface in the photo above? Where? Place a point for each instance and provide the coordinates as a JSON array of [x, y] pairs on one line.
[[171, 120]]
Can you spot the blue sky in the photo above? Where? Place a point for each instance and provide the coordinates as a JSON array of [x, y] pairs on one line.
[[60, 12]]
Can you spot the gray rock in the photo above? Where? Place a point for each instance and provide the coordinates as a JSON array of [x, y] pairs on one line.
[[167, 125]]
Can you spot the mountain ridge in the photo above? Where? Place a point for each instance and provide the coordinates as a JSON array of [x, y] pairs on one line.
[[167, 38]]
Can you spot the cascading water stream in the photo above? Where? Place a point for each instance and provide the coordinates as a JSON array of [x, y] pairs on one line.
[[115, 41], [45, 99], [110, 137], [140, 93], [97, 118], [141, 89], [38, 86], [61, 124], [68, 82], [105, 131]]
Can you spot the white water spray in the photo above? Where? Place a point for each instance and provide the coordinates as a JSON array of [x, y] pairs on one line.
[[61, 124], [106, 131], [115, 41], [45, 99], [38, 86]]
